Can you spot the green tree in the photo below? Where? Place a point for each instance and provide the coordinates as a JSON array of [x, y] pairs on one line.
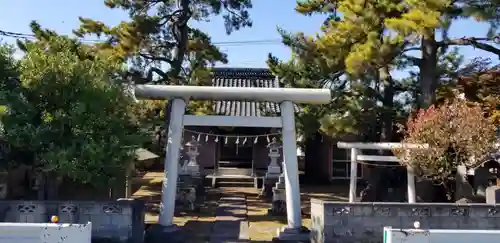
[[362, 42], [8, 73], [367, 33], [67, 114], [159, 39], [162, 46]]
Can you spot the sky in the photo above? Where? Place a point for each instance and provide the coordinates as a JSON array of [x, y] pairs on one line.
[[62, 16]]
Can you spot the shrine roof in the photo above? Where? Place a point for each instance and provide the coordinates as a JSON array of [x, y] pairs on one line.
[[245, 77]]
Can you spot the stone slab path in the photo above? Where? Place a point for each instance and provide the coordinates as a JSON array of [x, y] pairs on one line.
[[231, 222]]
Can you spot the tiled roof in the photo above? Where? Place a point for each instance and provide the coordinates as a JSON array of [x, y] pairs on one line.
[[244, 77]]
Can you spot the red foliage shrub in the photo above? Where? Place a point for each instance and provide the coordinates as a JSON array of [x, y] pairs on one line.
[[457, 133]]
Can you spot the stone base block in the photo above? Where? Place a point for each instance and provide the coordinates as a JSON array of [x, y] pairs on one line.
[[273, 170], [267, 191], [193, 169], [293, 235], [157, 233], [267, 187], [191, 192], [278, 208]]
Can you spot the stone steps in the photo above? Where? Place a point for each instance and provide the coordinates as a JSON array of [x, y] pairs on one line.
[[222, 171], [235, 182], [233, 177], [231, 224]]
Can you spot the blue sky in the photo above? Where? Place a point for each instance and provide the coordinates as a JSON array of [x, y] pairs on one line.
[[62, 16]]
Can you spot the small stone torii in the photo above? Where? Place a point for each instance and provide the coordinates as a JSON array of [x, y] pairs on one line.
[[356, 156], [180, 95]]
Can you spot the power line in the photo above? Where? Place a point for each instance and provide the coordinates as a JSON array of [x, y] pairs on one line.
[[11, 34]]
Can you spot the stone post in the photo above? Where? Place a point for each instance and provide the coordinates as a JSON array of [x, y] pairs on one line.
[[157, 233], [353, 180], [410, 174], [294, 230], [172, 156]]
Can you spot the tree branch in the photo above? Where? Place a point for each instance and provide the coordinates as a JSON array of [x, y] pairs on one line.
[[473, 41], [415, 48], [155, 58], [179, 31]]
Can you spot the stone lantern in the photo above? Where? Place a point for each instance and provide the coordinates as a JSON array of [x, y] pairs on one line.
[[273, 169], [192, 167], [275, 185]]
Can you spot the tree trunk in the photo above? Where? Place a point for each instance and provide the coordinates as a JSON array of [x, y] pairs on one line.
[[382, 178], [48, 188], [179, 30], [388, 105], [428, 70], [428, 85]]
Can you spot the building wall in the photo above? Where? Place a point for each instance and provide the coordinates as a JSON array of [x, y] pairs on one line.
[[209, 150], [341, 222], [321, 154], [334, 159], [318, 158], [261, 155]]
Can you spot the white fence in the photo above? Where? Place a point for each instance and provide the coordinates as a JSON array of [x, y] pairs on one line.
[[440, 236], [45, 233]]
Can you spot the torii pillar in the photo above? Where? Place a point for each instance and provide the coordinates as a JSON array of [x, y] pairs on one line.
[[180, 95]]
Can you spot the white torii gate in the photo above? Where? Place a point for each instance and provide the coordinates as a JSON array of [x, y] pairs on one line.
[[286, 97]]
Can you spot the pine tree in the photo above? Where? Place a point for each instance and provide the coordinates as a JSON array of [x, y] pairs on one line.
[[363, 41], [163, 47], [159, 39], [362, 35]]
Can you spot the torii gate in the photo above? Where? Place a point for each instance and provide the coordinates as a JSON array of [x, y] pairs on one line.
[[179, 95]]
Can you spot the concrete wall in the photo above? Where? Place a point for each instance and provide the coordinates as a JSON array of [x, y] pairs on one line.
[[112, 221], [342, 222], [46, 232]]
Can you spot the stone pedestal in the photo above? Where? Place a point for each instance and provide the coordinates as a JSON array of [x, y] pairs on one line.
[[190, 192], [267, 187], [301, 234], [278, 207]]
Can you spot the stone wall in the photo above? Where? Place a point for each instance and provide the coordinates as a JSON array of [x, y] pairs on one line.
[[342, 222], [112, 221]]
